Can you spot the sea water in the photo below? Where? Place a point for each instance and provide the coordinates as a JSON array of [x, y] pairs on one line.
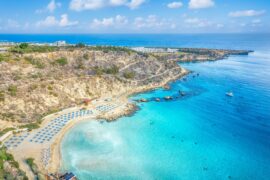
[[203, 135]]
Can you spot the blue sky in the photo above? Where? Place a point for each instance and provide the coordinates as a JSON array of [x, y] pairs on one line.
[[134, 16]]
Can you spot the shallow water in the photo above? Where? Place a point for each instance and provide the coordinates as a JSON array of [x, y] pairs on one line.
[[204, 135]]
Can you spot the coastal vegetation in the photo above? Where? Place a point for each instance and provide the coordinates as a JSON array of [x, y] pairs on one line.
[[26, 48], [80, 45], [12, 89], [30, 126], [35, 62], [110, 70], [32, 165], [107, 49], [4, 57], [2, 96], [4, 131], [9, 168], [129, 75], [34, 168], [61, 61]]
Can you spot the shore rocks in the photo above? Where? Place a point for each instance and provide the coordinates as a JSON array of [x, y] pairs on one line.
[[182, 93], [157, 99], [167, 87], [143, 100], [168, 97]]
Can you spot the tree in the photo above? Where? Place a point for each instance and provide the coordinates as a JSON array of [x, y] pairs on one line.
[[80, 45], [23, 45]]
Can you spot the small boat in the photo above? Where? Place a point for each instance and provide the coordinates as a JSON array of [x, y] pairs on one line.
[[230, 94], [157, 99]]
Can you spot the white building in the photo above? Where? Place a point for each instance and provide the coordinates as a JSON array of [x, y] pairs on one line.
[[60, 43], [154, 50]]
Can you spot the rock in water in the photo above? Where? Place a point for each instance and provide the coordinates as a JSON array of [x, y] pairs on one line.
[[167, 97]]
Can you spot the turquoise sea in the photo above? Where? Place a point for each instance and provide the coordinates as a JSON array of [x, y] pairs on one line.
[[204, 135]]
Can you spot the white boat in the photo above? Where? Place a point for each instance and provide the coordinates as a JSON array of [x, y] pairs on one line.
[[229, 94]]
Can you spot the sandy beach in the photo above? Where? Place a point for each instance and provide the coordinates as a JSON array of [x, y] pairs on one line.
[[52, 164]]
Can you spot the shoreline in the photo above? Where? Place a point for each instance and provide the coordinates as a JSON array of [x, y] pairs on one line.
[[124, 108], [113, 117]]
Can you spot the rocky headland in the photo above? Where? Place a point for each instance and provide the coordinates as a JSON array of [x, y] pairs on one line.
[[35, 82]]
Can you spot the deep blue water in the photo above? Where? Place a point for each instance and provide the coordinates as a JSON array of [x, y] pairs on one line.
[[231, 41], [204, 135]]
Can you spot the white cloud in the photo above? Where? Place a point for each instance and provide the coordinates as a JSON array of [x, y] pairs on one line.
[[65, 21], [196, 22], [80, 5], [135, 3], [256, 21], [117, 21], [174, 5], [198, 4], [52, 21], [118, 2], [246, 13], [153, 22], [49, 21], [50, 7]]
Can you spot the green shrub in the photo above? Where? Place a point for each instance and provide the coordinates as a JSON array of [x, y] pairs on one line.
[[23, 45], [50, 88], [129, 75], [36, 63], [62, 61], [15, 164], [113, 70], [12, 90], [79, 64], [30, 126], [32, 165], [1, 58], [2, 96], [98, 71], [30, 161], [86, 56], [36, 75], [33, 87], [4, 57], [80, 45]]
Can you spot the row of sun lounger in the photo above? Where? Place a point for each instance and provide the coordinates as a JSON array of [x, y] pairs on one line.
[[15, 140], [45, 156], [56, 125], [106, 108]]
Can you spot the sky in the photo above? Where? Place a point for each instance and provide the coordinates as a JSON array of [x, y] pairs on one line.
[[134, 16]]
